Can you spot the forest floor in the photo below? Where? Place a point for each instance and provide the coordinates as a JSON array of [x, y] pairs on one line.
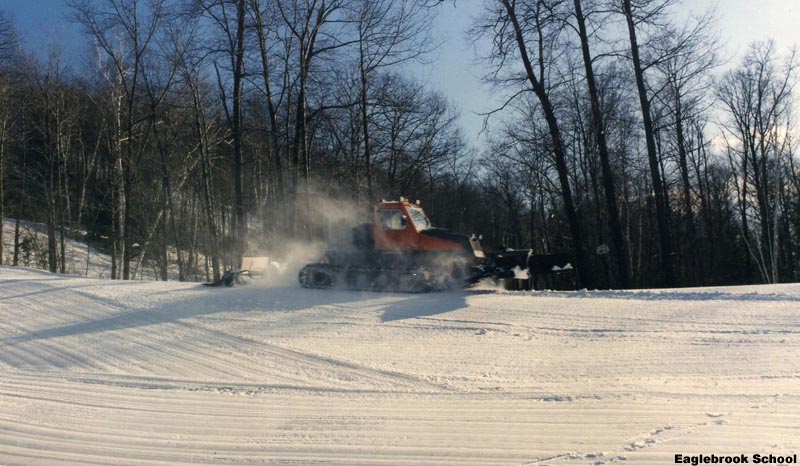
[[143, 373]]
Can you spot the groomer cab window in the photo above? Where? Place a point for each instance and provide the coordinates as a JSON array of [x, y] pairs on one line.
[[393, 220], [418, 218]]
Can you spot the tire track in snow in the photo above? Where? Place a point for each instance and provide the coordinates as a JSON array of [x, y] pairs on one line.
[[205, 428], [325, 363], [130, 429]]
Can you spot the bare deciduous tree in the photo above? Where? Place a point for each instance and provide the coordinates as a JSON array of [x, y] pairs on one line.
[[649, 11], [123, 30], [8, 51], [757, 97], [683, 74], [598, 128], [390, 32], [518, 28]]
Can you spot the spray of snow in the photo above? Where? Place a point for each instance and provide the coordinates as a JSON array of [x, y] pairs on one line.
[[279, 267], [329, 220], [520, 273]]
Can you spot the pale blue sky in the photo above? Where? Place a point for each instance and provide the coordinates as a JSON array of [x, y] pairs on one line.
[[453, 70], [40, 21]]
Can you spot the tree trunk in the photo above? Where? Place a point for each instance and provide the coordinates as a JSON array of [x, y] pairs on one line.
[[365, 121], [15, 259], [298, 147], [240, 230], [748, 265], [273, 113], [52, 247], [125, 219], [598, 125], [662, 209], [212, 248], [693, 259], [558, 149]]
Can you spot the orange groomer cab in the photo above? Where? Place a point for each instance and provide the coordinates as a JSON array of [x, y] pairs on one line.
[[403, 226]]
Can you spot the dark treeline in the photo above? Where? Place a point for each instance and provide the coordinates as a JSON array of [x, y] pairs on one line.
[[197, 132]]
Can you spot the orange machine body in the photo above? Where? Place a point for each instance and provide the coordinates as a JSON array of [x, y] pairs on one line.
[[399, 226]]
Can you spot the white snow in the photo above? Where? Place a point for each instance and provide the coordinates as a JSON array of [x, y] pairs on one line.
[[166, 373], [520, 273], [80, 259]]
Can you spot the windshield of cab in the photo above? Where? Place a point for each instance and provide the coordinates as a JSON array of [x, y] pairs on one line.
[[418, 217]]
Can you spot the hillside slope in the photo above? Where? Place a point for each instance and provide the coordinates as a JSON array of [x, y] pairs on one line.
[[146, 373]]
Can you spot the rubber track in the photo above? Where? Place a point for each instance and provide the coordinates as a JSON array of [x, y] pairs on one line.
[[373, 279]]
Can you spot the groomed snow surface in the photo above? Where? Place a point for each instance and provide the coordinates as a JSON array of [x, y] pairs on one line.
[[165, 373]]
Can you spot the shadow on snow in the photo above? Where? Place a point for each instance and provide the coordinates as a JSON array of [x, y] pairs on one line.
[[209, 301]]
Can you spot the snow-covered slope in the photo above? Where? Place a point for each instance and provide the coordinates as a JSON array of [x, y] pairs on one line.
[[81, 259], [132, 373]]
